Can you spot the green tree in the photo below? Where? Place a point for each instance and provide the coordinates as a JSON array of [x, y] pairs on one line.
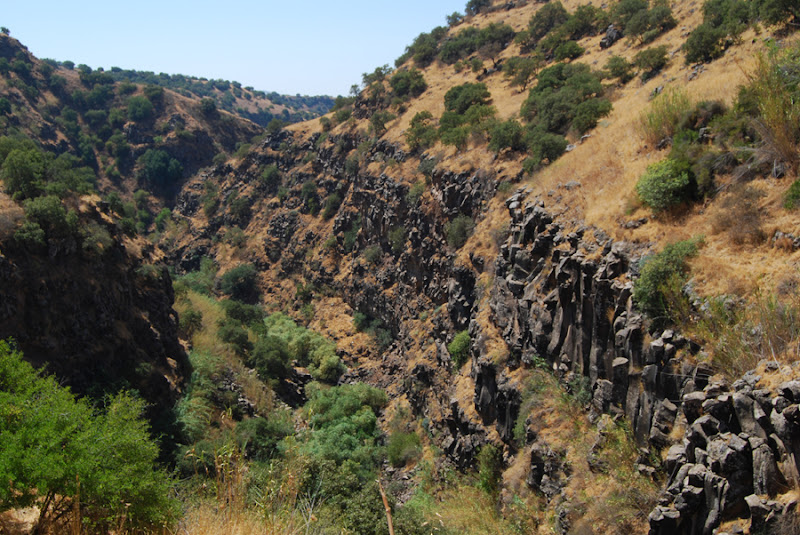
[[208, 107], [460, 98], [522, 70], [53, 442], [140, 108], [158, 168], [241, 283], [548, 17], [408, 83], [23, 172], [476, 6], [651, 61], [507, 135], [421, 133]]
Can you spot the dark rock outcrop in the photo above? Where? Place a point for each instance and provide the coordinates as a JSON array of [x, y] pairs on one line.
[[564, 295]]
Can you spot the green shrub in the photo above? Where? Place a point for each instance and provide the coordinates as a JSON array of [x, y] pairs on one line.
[[459, 348], [307, 347], [403, 448], [259, 437], [658, 290], [568, 50], [344, 419], [51, 216], [52, 441], [397, 239], [140, 108], [507, 135], [664, 185], [190, 322], [792, 198], [544, 146], [332, 204], [459, 230], [460, 98], [373, 254], [546, 18], [415, 192], [421, 133], [240, 283], [522, 70], [208, 107], [410, 83], [271, 359], [490, 469], [651, 61], [552, 104], [158, 168], [231, 332], [271, 176]]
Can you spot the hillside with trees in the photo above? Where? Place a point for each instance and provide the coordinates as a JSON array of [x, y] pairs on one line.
[[541, 276]]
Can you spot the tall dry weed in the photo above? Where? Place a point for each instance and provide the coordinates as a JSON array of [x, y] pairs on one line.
[[773, 83], [660, 120]]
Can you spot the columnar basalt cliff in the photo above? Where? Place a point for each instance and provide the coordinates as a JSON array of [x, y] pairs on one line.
[[566, 296]]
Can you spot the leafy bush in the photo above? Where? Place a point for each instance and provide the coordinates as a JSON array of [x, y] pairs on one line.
[[544, 146], [546, 18], [459, 230], [259, 437], [460, 98], [140, 108], [620, 68], [476, 6], [658, 290], [52, 441], [344, 419], [158, 168], [240, 283], [50, 215], [27, 171], [664, 185], [507, 135], [459, 348], [410, 83], [651, 61], [373, 254], [490, 468], [307, 347], [568, 50], [792, 198], [415, 192], [551, 105], [522, 70], [397, 238], [403, 448], [271, 359], [421, 134], [467, 41], [332, 204]]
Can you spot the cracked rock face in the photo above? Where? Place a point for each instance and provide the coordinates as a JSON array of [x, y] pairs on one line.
[[549, 300]]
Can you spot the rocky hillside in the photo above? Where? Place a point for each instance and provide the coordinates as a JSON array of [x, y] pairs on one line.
[[560, 238], [382, 211]]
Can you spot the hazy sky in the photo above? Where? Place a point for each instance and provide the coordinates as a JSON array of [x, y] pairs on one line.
[[309, 47]]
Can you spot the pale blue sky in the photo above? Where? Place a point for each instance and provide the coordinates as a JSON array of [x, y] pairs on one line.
[[308, 47]]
